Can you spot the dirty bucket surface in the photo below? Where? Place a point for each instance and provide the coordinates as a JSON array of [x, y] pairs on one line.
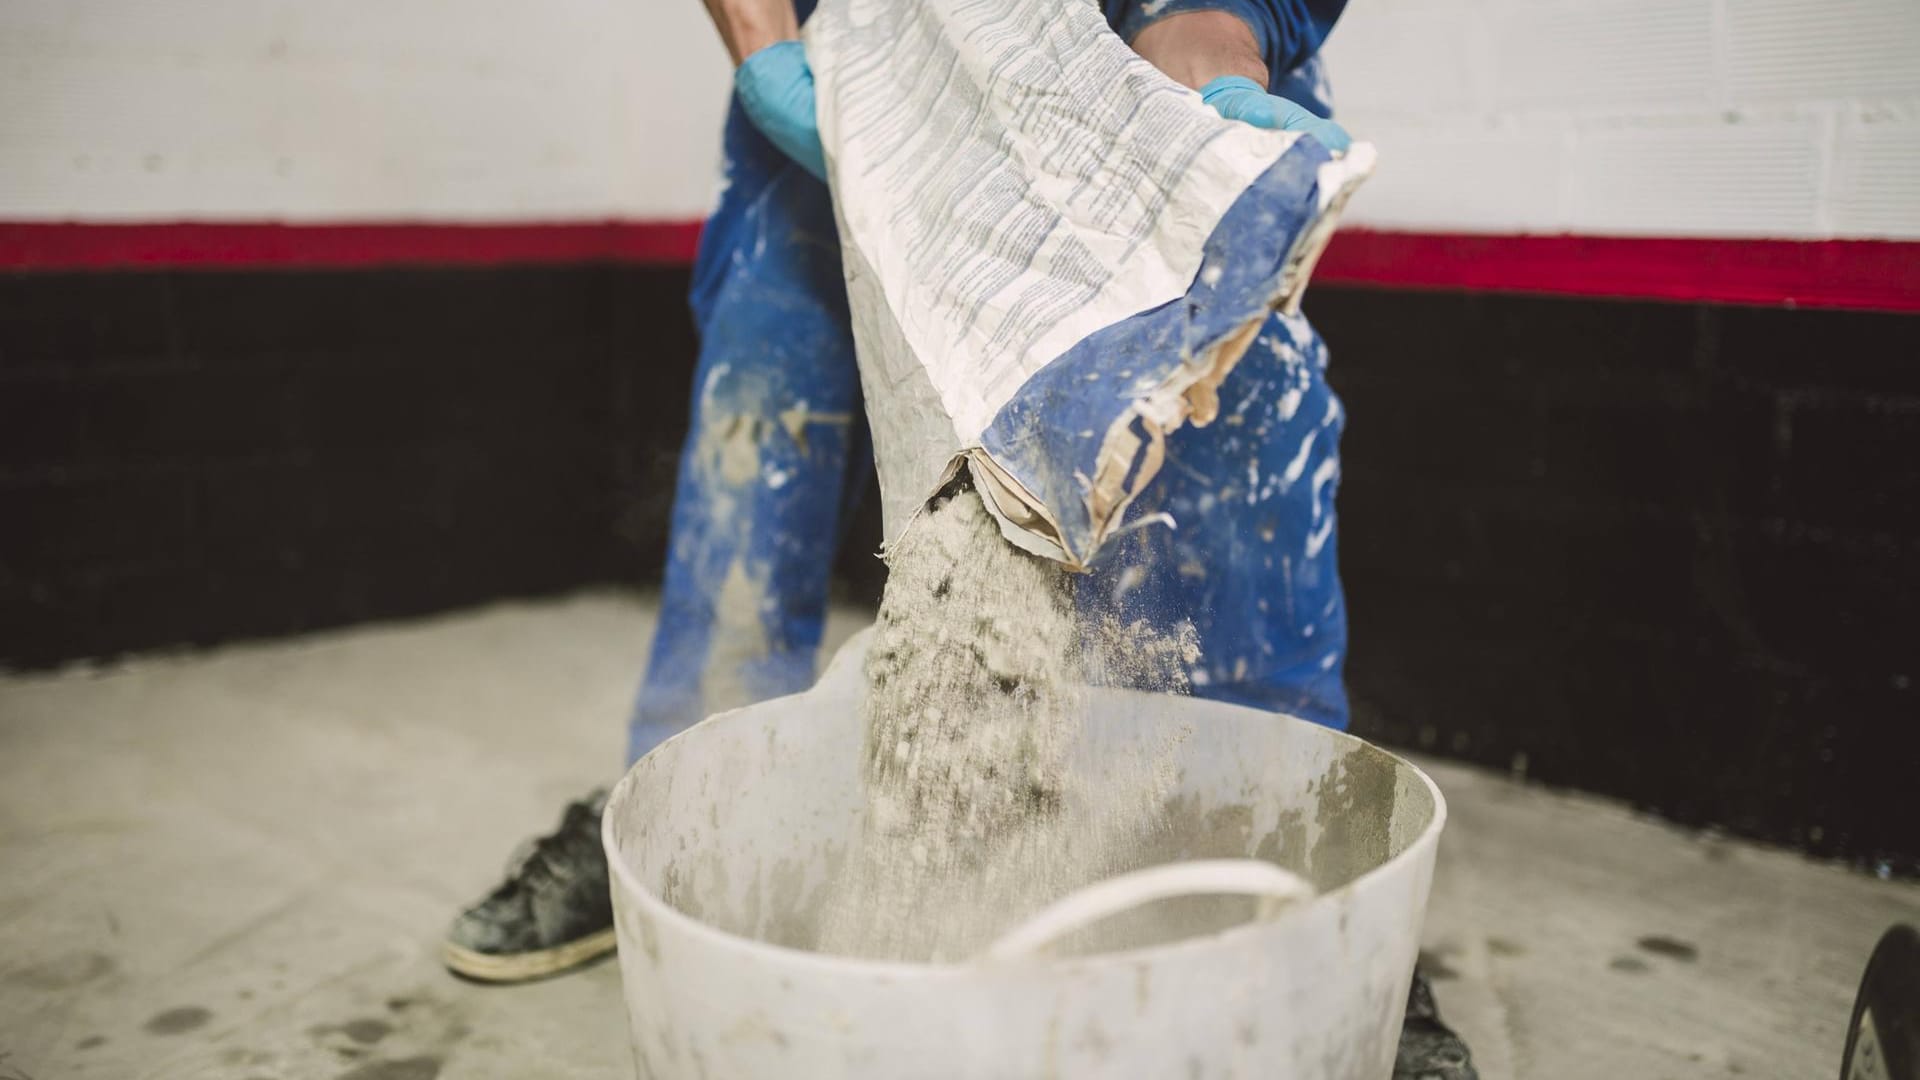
[[724, 843]]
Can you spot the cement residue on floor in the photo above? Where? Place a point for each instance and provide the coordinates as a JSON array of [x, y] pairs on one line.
[[278, 833]]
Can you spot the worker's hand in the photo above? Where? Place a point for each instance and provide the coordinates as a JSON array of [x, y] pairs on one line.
[[775, 85], [1239, 98]]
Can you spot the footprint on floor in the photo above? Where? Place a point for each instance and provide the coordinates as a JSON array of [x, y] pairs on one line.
[[1672, 948], [365, 1030], [413, 1068], [66, 972], [178, 1021], [1500, 946]]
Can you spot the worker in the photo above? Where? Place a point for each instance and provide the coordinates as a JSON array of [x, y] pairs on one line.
[[776, 393]]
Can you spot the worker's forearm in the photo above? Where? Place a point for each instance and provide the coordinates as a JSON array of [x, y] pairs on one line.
[[1194, 48], [747, 26]]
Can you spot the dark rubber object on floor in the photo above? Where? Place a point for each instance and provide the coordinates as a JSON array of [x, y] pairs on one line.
[[1883, 1040]]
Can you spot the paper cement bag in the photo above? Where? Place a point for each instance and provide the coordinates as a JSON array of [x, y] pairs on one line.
[[1054, 253]]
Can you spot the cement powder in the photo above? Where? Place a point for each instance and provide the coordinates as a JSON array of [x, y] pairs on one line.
[[976, 695]]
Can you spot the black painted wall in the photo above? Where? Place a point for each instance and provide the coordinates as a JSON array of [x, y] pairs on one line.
[[1666, 552], [193, 457]]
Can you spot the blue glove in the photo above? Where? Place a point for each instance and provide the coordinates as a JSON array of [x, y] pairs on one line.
[[1239, 98], [775, 86]]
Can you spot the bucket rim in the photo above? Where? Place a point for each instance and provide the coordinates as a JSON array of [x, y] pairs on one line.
[[658, 909]]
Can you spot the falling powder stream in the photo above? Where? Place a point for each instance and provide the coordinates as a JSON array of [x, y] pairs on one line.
[[976, 695]]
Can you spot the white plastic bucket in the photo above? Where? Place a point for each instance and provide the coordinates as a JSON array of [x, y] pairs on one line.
[[723, 841]]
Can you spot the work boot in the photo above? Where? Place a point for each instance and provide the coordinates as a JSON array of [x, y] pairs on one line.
[[1429, 1050], [552, 913]]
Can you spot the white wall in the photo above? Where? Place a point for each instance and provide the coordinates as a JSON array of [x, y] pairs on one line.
[[1796, 118], [1789, 118], [358, 109]]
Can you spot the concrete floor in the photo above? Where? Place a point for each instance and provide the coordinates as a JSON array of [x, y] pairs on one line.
[[235, 865]]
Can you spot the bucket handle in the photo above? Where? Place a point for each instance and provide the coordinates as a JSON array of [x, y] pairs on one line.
[[1083, 907]]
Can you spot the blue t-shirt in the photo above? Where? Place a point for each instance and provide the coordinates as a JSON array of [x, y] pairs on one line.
[[1290, 33]]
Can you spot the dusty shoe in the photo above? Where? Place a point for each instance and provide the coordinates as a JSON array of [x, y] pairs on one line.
[[1429, 1050], [552, 913]]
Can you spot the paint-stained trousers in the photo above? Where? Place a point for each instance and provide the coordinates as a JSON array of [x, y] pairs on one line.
[[776, 455]]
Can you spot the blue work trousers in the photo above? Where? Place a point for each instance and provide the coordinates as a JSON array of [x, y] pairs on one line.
[[776, 455]]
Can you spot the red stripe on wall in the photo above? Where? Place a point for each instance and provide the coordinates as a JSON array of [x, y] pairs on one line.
[[1856, 274], [1882, 275], [72, 246]]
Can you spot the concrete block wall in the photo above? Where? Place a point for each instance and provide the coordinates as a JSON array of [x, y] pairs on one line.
[[1769, 118], [1662, 550], [1764, 118], [362, 110], [193, 457]]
